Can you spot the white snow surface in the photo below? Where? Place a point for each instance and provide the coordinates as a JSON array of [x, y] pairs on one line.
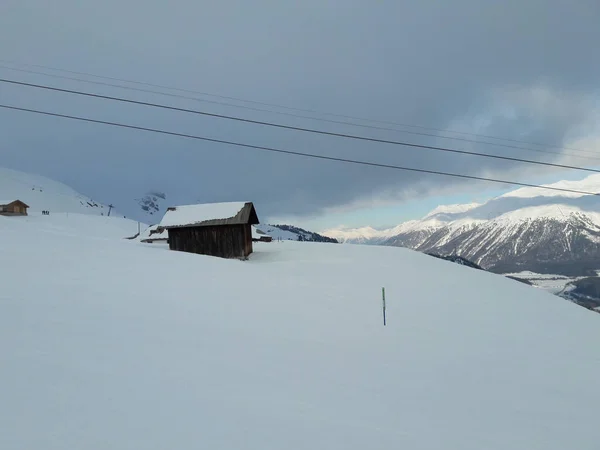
[[192, 214], [286, 350]]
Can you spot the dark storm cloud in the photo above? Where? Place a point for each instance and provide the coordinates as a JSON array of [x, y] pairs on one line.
[[526, 69]]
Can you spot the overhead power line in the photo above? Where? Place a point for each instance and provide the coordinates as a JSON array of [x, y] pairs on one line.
[[312, 111], [295, 128], [295, 153], [320, 119]]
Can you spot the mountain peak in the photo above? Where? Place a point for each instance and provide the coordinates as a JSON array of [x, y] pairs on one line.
[[153, 203]]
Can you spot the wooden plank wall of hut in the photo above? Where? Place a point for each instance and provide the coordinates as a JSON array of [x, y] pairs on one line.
[[226, 241], [248, 239]]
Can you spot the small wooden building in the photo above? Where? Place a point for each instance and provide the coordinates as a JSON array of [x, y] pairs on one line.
[[216, 229], [13, 208]]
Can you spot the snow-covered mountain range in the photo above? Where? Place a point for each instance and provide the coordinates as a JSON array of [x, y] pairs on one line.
[[544, 231]]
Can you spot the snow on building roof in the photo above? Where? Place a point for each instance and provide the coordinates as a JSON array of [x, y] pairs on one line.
[[232, 213]]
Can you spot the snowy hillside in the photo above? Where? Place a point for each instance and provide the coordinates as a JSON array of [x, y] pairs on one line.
[[44, 194], [69, 225], [116, 344], [292, 233], [527, 229]]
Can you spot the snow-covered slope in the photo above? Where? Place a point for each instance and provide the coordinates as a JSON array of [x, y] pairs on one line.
[[44, 194], [292, 233], [516, 231], [68, 225], [108, 343]]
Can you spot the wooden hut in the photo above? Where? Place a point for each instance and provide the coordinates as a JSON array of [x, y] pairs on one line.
[[13, 208], [216, 229]]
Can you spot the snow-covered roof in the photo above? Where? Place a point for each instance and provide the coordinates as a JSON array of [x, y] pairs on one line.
[[231, 213]]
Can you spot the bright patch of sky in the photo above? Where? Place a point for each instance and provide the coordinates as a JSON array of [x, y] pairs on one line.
[[388, 216]]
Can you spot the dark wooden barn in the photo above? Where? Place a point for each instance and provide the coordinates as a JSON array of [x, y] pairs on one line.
[[13, 208], [217, 229]]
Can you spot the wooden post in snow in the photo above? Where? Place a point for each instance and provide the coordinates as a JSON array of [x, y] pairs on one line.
[[383, 298]]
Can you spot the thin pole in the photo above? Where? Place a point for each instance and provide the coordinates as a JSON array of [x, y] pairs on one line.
[[383, 298]]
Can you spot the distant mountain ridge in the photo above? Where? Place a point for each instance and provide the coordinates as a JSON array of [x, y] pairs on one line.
[[292, 233], [539, 230]]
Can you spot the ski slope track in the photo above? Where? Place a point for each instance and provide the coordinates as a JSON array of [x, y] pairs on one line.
[[108, 343]]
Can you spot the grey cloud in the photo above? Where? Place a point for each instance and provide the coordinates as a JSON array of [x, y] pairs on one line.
[[429, 63]]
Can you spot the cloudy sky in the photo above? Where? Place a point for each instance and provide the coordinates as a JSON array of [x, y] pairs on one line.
[[526, 71]]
